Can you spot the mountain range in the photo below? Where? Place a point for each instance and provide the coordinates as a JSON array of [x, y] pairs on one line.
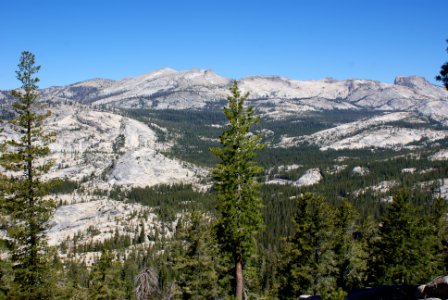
[[156, 128], [86, 119], [198, 89]]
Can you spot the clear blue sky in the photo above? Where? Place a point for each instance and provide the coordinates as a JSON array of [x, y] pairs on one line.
[[83, 39]]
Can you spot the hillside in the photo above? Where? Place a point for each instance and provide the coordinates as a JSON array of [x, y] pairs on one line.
[[156, 128]]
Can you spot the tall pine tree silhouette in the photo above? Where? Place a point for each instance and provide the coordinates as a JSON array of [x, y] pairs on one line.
[[238, 201], [443, 74], [25, 156]]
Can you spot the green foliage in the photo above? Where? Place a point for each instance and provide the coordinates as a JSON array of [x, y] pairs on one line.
[[334, 242], [192, 130], [195, 259], [105, 279], [443, 75], [75, 280], [351, 254], [25, 156], [119, 143], [403, 252], [438, 218], [238, 201], [310, 263], [167, 200], [279, 207], [62, 186], [6, 277]]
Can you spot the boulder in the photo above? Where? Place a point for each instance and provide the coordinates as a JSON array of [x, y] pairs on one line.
[[437, 288]]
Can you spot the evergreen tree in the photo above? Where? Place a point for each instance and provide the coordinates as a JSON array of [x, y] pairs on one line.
[[310, 265], [438, 218], [404, 250], [129, 274], [370, 235], [350, 253], [443, 74], [105, 279], [238, 201], [25, 155], [195, 261], [76, 281]]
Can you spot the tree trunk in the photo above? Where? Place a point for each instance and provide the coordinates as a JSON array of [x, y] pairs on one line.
[[239, 291]]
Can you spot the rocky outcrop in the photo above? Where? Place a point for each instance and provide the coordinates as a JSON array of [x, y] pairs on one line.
[[412, 81], [311, 177], [438, 288]]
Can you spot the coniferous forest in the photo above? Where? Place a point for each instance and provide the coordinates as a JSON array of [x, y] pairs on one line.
[[239, 239]]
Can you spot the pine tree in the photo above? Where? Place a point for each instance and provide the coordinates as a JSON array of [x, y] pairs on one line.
[[129, 274], [310, 262], [76, 279], [443, 74], [238, 201], [404, 249], [195, 263], [439, 220], [350, 253], [25, 156], [105, 279]]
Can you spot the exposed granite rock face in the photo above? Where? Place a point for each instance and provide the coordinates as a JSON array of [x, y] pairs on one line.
[[412, 81]]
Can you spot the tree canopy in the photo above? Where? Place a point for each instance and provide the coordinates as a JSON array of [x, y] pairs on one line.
[[25, 156], [443, 74], [238, 201]]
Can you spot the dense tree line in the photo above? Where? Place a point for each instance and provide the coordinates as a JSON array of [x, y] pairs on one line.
[[327, 250]]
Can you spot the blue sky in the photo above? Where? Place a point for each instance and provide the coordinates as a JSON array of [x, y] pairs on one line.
[[370, 39]]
